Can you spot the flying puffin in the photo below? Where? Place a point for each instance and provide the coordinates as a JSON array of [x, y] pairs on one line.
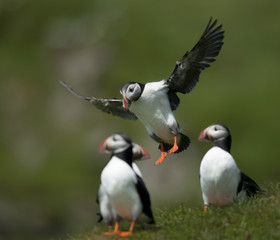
[[153, 103], [122, 187], [220, 178], [106, 212]]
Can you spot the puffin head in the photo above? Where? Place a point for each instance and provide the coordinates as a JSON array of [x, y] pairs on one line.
[[139, 153], [131, 91], [116, 143], [214, 132]]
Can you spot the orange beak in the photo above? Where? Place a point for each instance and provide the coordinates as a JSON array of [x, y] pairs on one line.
[[203, 136], [145, 153], [125, 103], [103, 147]]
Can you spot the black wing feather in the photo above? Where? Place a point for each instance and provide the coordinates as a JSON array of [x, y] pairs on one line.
[[108, 105], [186, 72], [145, 198], [249, 186], [174, 100], [98, 202]]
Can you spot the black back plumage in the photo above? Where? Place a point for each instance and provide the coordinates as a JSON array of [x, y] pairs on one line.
[[145, 199], [249, 186], [174, 100]]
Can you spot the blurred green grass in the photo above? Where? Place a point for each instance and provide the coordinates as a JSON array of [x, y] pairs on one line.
[[50, 166], [248, 219]]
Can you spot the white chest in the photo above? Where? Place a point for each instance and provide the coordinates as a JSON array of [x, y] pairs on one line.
[[219, 177], [116, 176], [118, 182], [153, 110]]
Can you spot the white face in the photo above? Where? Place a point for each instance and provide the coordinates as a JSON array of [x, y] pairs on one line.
[[216, 131], [139, 153], [133, 91], [115, 143]]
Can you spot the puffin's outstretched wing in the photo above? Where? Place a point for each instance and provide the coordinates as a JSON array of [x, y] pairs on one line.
[[186, 72], [108, 105]]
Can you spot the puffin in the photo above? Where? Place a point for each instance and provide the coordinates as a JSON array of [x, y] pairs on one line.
[[153, 103], [124, 191], [106, 212], [220, 178]]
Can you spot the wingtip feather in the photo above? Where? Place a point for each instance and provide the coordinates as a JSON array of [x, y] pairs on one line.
[[69, 89]]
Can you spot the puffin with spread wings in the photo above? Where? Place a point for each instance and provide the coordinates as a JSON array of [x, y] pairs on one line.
[[153, 103]]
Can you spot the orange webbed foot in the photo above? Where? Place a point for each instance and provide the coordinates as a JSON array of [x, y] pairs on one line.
[[128, 233], [110, 233], [205, 208], [116, 230], [161, 158], [175, 146], [173, 149], [125, 234], [163, 155]]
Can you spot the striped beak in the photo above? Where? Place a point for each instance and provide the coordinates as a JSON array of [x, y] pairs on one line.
[[126, 102], [104, 147], [204, 136]]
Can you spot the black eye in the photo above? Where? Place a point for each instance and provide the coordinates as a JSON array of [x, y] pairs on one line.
[[114, 139], [131, 90], [215, 129]]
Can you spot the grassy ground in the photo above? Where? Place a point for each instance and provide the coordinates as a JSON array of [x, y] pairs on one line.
[[251, 219]]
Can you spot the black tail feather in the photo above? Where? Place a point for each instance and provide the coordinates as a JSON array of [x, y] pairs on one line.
[[149, 213], [249, 186], [100, 217]]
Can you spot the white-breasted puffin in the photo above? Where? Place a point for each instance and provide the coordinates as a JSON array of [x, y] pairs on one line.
[[153, 103], [220, 178], [106, 212], [123, 188]]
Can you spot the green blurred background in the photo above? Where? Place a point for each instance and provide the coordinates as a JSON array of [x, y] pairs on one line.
[[50, 166]]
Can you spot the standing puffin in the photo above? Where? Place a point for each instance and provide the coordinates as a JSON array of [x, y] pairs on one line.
[[106, 212], [123, 188], [220, 178], [153, 103]]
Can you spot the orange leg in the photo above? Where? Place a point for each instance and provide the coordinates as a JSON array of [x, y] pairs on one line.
[[129, 232], [205, 208], [175, 146], [116, 230], [162, 155]]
